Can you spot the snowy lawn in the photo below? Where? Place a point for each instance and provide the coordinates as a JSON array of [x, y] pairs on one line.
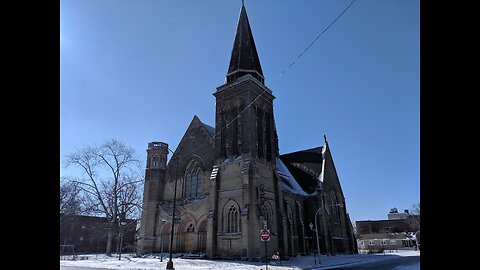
[[152, 261]]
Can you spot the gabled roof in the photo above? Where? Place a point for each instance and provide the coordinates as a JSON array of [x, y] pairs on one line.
[[210, 129], [305, 166], [244, 55], [289, 183], [311, 156]]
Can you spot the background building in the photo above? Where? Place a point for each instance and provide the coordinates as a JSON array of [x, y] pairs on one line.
[[88, 234], [397, 232]]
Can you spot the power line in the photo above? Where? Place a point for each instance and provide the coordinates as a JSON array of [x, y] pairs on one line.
[[316, 38], [281, 75]]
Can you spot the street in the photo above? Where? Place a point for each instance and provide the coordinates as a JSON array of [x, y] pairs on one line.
[[398, 263]]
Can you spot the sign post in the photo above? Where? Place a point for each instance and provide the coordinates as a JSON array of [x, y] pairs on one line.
[[265, 236]]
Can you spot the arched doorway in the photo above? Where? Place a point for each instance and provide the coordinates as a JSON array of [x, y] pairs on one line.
[[165, 232], [189, 238], [185, 236], [202, 236]]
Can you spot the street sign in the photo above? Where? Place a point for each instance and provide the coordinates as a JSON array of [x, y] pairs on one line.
[[265, 235]]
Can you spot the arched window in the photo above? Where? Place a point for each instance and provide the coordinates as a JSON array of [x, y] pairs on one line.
[[232, 220], [199, 182], [149, 162], [188, 184], [335, 205], [290, 215], [268, 135], [155, 161], [193, 181], [291, 221], [260, 133]]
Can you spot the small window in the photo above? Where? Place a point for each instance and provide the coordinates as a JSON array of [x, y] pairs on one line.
[[155, 161], [290, 215], [384, 241], [362, 243], [393, 242], [190, 228], [370, 243]]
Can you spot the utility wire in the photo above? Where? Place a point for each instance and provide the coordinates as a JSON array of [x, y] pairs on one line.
[[281, 75], [316, 38]]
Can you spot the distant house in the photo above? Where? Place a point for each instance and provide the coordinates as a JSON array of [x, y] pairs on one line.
[[88, 234], [374, 243], [397, 232]]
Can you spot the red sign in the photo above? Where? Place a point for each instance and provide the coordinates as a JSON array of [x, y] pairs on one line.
[[265, 235]]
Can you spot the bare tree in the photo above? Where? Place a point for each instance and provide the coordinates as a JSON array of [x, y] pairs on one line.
[[111, 182], [415, 210], [70, 200]]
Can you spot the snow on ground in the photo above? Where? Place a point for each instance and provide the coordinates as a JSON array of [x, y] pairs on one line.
[[150, 262]]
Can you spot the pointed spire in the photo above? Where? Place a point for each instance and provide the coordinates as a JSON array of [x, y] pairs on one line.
[[244, 59]]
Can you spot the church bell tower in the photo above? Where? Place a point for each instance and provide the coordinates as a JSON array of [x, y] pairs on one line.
[[244, 105], [246, 193]]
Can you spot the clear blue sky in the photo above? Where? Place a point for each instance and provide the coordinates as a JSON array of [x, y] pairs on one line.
[[139, 70]]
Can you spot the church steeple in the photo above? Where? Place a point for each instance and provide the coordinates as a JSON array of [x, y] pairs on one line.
[[243, 130], [244, 59]]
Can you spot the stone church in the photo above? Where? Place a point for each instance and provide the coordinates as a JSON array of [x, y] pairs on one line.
[[231, 182]]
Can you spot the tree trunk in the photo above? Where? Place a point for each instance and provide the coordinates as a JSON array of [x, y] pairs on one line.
[[118, 243], [109, 243]]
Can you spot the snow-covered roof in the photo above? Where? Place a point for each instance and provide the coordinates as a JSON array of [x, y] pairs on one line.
[[289, 183], [322, 174], [307, 166]]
